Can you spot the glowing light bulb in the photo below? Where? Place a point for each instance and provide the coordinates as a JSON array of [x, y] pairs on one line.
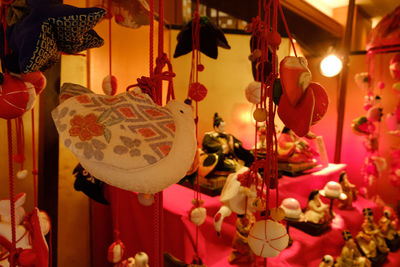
[[331, 66]]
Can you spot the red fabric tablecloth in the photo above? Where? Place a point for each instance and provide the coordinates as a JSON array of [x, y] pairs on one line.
[[136, 225]]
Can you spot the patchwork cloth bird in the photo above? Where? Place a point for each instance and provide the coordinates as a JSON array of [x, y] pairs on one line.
[[37, 40], [127, 140]]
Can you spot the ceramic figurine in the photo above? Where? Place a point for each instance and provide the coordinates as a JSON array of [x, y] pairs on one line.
[[222, 154], [230, 154], [243, 201], [370, 239], [294, 153], [316, 211], [389, 230], [327, 261], [349, 189], [351, 255]]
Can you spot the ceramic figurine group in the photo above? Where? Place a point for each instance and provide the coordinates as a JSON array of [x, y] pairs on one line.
[[316, 217], [371, 245]]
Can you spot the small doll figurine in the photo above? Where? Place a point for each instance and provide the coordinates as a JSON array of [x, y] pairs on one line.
[[294, 149], [370, 239], [227, 150], [316, 211], [350, 255], [241, 252], [349, 189], [389, 230]]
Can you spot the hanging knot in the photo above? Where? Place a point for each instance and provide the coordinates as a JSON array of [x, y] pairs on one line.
[[255, 25], [35, 172], [116, 235], [14, 255], [148, 85]]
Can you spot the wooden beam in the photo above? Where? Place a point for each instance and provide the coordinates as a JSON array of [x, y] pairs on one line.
[[48, 155], [343, 81], [315, 16]]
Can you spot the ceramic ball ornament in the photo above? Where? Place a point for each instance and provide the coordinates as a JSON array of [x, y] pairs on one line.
[[116, 252], [260, 114], [268, 238], [146, 199], [198, 215], [22, 174], [110, 85], [253, 92]]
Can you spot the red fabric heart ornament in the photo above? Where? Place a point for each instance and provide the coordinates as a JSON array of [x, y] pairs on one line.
[[16, 97], [321, 102], [299, 117], [295, 78]]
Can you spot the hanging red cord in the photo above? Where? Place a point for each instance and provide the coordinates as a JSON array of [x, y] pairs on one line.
[[34, 168], [11, 187]]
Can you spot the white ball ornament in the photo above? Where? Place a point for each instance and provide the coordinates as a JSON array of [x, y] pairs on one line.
[[198, 215], [268, 238], [22, 174], [253, 92], [110, 85]]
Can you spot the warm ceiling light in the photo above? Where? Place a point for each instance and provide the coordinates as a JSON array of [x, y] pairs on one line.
[[331, 65]]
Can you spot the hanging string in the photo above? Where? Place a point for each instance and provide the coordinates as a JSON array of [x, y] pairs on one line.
[[4, 7], [110, 38], [20, 141], [11, 185], [151, 46], [287, 29], [34, 168]]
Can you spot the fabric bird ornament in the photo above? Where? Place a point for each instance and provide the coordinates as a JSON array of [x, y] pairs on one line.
[[127, 140], [210, 38], [37, 40]]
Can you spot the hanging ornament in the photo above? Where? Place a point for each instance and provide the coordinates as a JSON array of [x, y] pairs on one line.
[[146, 199], [210, 38], [16, 96], [154, 166], [253, 92], [116, 252], [260, 114], [197, 91], [394, 67], [321, 102], [295, 78], [363, 80], [110, 85], [374, 114], [197, 214], [268, 238], [22, 174]]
